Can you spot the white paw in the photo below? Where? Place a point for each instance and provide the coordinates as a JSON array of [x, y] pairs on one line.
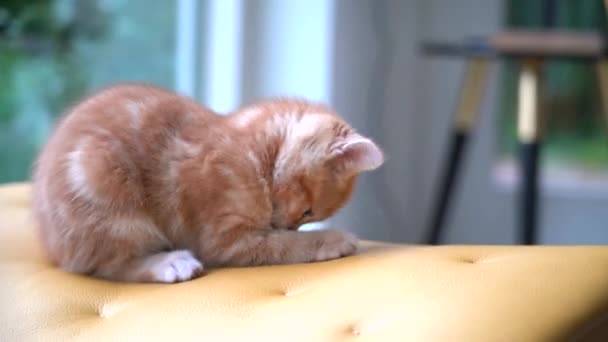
[[172, 267], [336, 244]]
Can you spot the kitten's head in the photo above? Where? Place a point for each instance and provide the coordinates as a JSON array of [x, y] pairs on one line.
[[318, 160]]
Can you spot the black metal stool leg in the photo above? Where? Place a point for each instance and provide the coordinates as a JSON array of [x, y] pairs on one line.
[[465, 117], [529, 133]]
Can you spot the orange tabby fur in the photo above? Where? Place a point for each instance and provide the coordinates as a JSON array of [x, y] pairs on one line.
[[139, 184]]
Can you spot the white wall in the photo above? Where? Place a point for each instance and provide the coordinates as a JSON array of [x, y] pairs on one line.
[[374, 88]]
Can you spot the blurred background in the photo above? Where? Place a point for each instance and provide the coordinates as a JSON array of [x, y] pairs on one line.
[[363, 58]]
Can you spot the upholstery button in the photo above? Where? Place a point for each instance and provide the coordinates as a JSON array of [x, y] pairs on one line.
[[468, 260], [355, 330], [109, 310], [293, 292]]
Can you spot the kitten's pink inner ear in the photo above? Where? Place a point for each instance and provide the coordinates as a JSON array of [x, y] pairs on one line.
[[359, 154]]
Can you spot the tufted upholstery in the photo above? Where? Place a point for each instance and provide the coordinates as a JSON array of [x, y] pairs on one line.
[[386, 293]]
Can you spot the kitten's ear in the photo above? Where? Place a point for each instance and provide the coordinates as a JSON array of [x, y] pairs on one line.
[[355, 154]]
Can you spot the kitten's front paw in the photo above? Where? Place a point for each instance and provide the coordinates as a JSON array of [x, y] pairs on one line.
[[173, 267], [335, 244]]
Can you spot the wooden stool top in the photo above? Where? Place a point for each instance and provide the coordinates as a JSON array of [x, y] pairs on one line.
[[525, 44]]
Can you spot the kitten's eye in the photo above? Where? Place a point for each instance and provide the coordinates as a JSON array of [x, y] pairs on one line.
[[308, 213]]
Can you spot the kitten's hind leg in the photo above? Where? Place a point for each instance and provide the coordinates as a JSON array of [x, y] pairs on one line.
[[163, 267]]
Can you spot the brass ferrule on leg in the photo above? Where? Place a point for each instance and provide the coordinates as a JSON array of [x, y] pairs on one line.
[[471, 93], [529, 107]]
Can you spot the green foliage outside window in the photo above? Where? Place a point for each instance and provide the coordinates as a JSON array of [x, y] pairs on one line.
[[53, 52]]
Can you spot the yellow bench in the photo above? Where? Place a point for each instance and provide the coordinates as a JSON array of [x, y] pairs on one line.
[[385, 293]]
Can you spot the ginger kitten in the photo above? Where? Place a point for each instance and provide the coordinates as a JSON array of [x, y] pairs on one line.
[[139, 184]]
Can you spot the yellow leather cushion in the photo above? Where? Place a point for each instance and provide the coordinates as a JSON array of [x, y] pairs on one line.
[[386, 293]]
